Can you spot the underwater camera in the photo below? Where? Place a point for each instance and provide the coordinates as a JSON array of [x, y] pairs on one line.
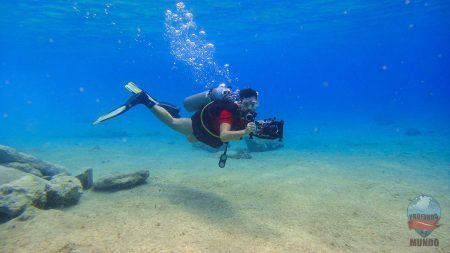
[[270, 129]]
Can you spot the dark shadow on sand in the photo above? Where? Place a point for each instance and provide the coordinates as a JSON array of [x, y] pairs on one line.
[[216, 210], [205, 204]]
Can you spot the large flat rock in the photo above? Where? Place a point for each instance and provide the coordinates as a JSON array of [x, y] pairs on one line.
[[10, 174], [21, 161], [121, 181]]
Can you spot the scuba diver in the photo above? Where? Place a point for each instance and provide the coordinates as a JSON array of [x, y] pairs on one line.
[[220, 116]]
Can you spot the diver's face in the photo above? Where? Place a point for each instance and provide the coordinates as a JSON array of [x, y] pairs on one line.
[[249, 104]]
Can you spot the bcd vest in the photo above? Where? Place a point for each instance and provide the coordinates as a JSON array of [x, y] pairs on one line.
[[203, 120]]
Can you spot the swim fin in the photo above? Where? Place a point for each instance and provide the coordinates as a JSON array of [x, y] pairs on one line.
[[139, 97], [112, 114], [132, 87], [172, 109]]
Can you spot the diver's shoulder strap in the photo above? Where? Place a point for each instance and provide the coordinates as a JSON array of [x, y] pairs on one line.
[[205, 112]]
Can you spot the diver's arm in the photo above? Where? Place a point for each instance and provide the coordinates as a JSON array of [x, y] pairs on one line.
[[227, 135]]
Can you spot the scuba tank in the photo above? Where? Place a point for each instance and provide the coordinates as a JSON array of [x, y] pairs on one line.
[[197, 101]]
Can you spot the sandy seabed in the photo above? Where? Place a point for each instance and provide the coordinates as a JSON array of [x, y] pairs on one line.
[[349, 198]]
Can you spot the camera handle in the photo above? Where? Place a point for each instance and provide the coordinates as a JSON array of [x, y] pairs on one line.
[[250, 117]]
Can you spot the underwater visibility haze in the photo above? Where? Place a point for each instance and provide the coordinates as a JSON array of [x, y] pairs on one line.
[[362, 88]]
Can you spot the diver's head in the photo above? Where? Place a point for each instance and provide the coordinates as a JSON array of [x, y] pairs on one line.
[[248, 100]]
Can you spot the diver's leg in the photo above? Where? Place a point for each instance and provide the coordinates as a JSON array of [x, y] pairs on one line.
[[181, 125]]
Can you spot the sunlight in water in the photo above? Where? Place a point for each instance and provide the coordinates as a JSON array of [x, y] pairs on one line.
[[188, 44]]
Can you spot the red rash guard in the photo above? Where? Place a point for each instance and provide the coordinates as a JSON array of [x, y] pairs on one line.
[[225, 116]]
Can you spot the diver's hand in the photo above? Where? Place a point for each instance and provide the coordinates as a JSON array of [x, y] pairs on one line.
[[251, 127]]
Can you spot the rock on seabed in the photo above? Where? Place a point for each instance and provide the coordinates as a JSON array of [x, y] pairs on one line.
[[121, 181]]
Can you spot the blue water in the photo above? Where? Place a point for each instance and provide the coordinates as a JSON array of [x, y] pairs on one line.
[[317, 64], [363, 88]]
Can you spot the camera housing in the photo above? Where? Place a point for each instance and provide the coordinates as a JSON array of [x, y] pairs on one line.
[[270, 129]]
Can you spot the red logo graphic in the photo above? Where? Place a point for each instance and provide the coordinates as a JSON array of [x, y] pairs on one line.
[[423, 224]]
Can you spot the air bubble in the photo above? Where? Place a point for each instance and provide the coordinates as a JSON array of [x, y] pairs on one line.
[[180, 6], [188, 47]]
